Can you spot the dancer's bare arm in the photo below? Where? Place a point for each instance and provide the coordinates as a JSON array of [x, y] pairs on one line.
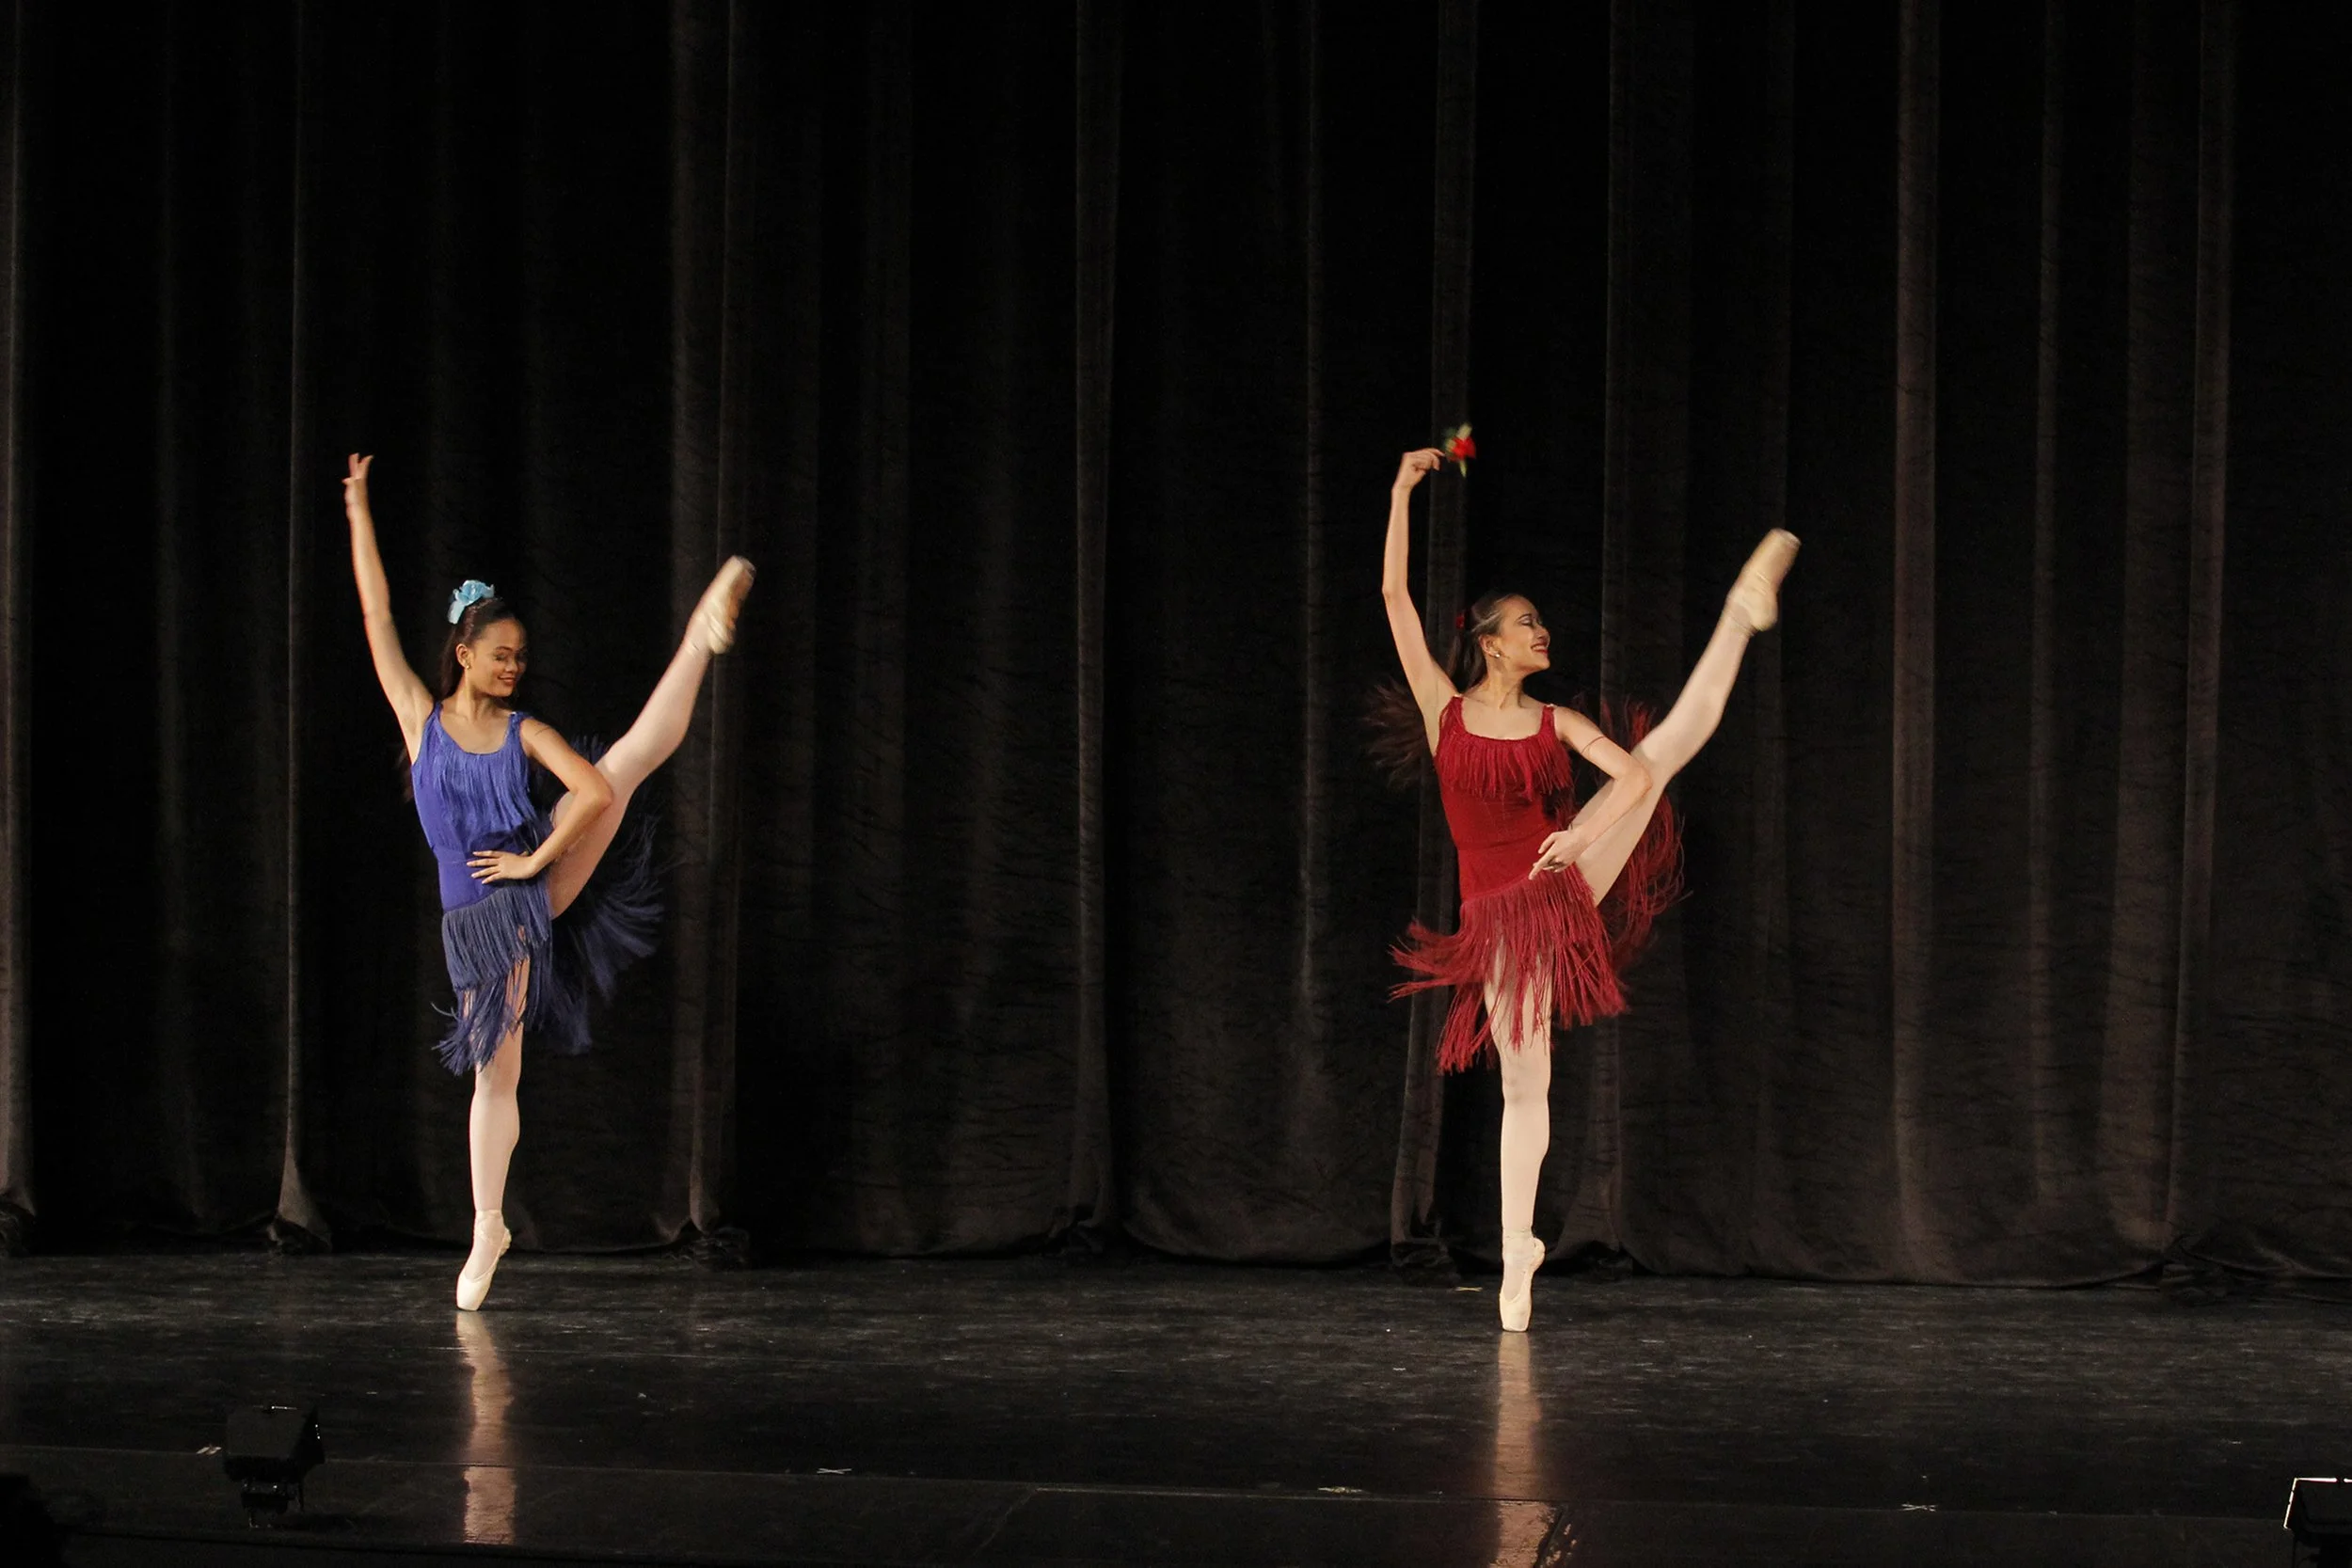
[[1628, 772], [1431, 690], [412, 704], [591, 798]]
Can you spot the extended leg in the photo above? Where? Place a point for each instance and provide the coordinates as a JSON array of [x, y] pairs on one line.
[[1668, 747], [659, 728], [1674, 740]]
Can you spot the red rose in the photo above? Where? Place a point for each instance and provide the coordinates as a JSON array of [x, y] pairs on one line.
[[1459, 447]]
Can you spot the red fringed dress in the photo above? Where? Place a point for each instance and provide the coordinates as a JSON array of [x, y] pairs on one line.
[[1503, 799]]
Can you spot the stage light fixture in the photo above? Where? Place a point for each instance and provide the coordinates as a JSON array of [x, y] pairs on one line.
[[2319, 1513], [270, 1448]]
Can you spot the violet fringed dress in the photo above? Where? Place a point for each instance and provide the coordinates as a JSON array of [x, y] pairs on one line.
[[470, 801], [1503, 799]]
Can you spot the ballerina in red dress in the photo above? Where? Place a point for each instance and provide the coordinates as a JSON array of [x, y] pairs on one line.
[[1556, 900]]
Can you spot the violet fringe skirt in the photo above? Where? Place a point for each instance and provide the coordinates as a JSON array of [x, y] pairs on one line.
[[609, 927]]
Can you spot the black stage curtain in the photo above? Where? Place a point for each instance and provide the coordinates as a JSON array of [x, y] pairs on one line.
[[1029, 883]]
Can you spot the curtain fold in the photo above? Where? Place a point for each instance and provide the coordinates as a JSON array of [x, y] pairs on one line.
[[2043, 1062], [1415, 1225], [16, 1169], [2143, 943], [1639, 1114], [1027, 883], [2208, 504], [297, 1219], [1092, 1206], [1911, 956], [714, 212]]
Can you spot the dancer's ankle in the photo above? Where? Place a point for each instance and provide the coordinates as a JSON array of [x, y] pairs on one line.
[[491, 1241]]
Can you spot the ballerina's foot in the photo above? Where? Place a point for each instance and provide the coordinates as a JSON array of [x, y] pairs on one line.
[[1754, 597], [712, 626], [491, 1241], [1518, 1298]]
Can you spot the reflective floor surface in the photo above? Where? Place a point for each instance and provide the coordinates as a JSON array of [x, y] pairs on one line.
[[1153, 1412]]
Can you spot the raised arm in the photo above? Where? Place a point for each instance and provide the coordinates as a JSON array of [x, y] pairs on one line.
[[1431, 690], [412, 704]]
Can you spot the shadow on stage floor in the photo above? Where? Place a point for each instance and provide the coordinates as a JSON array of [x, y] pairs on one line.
[[1034, 1411]]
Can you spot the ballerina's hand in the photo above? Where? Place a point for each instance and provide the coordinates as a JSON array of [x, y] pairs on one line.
[[496, 865], [1415, 465], [1558, 853], [355, 483]]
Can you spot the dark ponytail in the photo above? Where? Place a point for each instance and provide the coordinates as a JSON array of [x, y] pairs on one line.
[[1400, 739], [478, 616]]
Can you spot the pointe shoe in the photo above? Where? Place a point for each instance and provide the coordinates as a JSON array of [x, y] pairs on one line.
[[713, 624], [1516, 1309], [1754, 596], [491, 1236]]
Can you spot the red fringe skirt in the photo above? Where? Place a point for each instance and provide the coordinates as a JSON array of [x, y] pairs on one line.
[[1546, 932]]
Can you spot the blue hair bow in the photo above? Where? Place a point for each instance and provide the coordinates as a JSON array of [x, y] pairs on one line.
[[470, 593]]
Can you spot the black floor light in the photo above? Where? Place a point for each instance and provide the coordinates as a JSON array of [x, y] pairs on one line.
[[269, 1450], [2319, 1511]]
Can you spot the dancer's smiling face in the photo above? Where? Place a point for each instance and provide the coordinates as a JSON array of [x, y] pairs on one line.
[[495, 657], [1520, 644]]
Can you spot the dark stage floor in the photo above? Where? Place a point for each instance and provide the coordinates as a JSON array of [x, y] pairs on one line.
[[1149, 1412]]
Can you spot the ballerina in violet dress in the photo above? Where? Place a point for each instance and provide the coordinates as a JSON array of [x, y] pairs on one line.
[[1557, 900], [524, 950]]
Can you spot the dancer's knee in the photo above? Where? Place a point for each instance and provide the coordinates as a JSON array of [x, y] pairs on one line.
[[498, 1077], [624, 766], [622, 784], [1656, 762], [1526, 1063]]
